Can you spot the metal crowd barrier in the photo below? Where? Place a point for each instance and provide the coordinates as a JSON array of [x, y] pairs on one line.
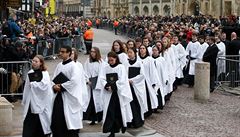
[[62, 41], [228, 68], [49, 48], [78, 42], [46, 48], [12, 76]]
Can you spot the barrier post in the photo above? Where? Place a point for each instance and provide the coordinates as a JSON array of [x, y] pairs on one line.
[[202, 81]]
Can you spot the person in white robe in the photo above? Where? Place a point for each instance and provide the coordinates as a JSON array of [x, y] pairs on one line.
[[68, 105], [161, 66], [203, 46], [116, 95], [151, 79], [221, 63], [37, 100], [84, 78], [180, 59], [194, 54], [92, 68], [170, 67], [147, 44], [118, 48], [136, 78]]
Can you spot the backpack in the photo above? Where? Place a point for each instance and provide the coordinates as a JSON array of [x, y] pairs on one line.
[[6, 29]]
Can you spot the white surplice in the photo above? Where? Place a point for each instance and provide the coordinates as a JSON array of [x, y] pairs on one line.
[[39, 95], [124, 91]]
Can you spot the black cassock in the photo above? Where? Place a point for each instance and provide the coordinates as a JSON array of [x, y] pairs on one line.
[[137, 120], [210, 55], [91, 114], [113, 122], [59, 126]]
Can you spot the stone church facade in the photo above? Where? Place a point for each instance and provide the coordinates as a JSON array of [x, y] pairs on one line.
[[118, 8]]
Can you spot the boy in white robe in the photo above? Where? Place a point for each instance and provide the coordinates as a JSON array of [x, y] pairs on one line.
[[203, 46], [194, 54], [68, 101], [221, 64], [180, 59]]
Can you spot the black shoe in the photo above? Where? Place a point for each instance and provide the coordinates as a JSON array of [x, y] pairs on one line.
[[211, 90], [155, 111], [124, 129], [190, 86], [112, 135], [92, 123]]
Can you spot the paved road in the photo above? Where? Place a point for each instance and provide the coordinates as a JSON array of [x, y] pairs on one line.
[[102, 39]]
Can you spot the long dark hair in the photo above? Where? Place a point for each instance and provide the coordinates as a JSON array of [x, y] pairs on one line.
[[114, 55], [121, 46], [134, 50], [147, 53], [98, 55]]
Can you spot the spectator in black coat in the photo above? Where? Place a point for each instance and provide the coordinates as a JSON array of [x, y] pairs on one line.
[[210, 56]]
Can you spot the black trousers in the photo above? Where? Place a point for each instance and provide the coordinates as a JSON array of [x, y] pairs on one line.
[[88, 45], [32, 126], [59, 126], [116, 30]]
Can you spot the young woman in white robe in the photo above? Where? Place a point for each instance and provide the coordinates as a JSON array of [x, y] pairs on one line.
[[92, 68], [37, 100], [136, 78], [170, 69], [118, 48], [68, 105], [116, 96], [151, 79], [160, 64]]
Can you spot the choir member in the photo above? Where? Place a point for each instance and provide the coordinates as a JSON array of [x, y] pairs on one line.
[[180, 59], [116, 95], [92, 68], [68, 103], [170, 67], [160, 64], [37, 100], [194, 54], [151, 80], [221, 64], [118, 48], [138, 89]]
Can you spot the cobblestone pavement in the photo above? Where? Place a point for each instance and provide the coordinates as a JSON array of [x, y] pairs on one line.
[[184, 117]]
